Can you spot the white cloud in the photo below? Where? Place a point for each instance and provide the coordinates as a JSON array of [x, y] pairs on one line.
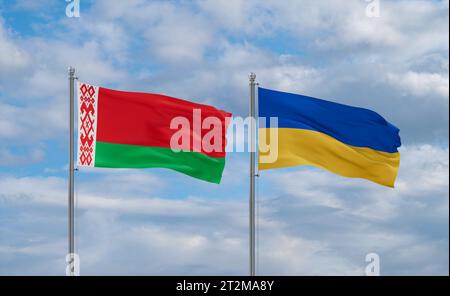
[[421, 84], [425, 163], [40, 98], [237, 16], [19, 123], [324, 225], [12, 58], [35, 6], [172, 33], [54, 57], [8, 158], [179, 38], [346, 24], [354, 217]]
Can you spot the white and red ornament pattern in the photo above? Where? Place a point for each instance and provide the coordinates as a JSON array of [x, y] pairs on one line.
[[87, 123]]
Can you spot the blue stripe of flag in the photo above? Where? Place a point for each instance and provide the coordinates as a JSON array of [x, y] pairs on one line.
[[351, 125]]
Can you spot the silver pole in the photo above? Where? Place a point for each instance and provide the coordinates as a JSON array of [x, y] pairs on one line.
[[71, 169], [252, 78]]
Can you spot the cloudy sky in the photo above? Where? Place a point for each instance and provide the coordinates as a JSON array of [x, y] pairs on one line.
[[158, 222]]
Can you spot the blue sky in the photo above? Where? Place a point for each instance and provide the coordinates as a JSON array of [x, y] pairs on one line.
[[158, 222]]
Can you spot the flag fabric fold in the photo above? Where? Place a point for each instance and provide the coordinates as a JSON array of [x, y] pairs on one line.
[[349, 141], [119, 129]]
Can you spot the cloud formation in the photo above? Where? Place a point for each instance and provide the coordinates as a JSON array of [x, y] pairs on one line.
[[324, 224], [310, 221]]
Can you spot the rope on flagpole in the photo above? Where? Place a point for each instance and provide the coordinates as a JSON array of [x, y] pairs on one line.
[[257, 185], [76, 211], [76, 199], [257, 226]]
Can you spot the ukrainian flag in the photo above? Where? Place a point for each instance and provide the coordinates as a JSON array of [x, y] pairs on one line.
[[349, 141]]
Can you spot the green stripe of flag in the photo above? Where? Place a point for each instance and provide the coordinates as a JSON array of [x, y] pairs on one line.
[[195, 164]]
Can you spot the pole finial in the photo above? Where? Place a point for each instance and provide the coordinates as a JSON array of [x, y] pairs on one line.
[[71, 71], [252, 77]]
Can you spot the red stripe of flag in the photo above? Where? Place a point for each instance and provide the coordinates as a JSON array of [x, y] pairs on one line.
[[144, 119]]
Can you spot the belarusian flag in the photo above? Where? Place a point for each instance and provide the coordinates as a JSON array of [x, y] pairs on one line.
[[119, 129]]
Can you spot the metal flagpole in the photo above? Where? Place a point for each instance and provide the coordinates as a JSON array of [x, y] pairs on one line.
[[71, 172], [252, 78]]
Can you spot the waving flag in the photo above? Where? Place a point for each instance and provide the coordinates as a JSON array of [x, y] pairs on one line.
[[119, 129], [349, 141]]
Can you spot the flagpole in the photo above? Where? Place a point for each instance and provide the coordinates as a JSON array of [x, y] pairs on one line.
[[71, 208], [252, 78]]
